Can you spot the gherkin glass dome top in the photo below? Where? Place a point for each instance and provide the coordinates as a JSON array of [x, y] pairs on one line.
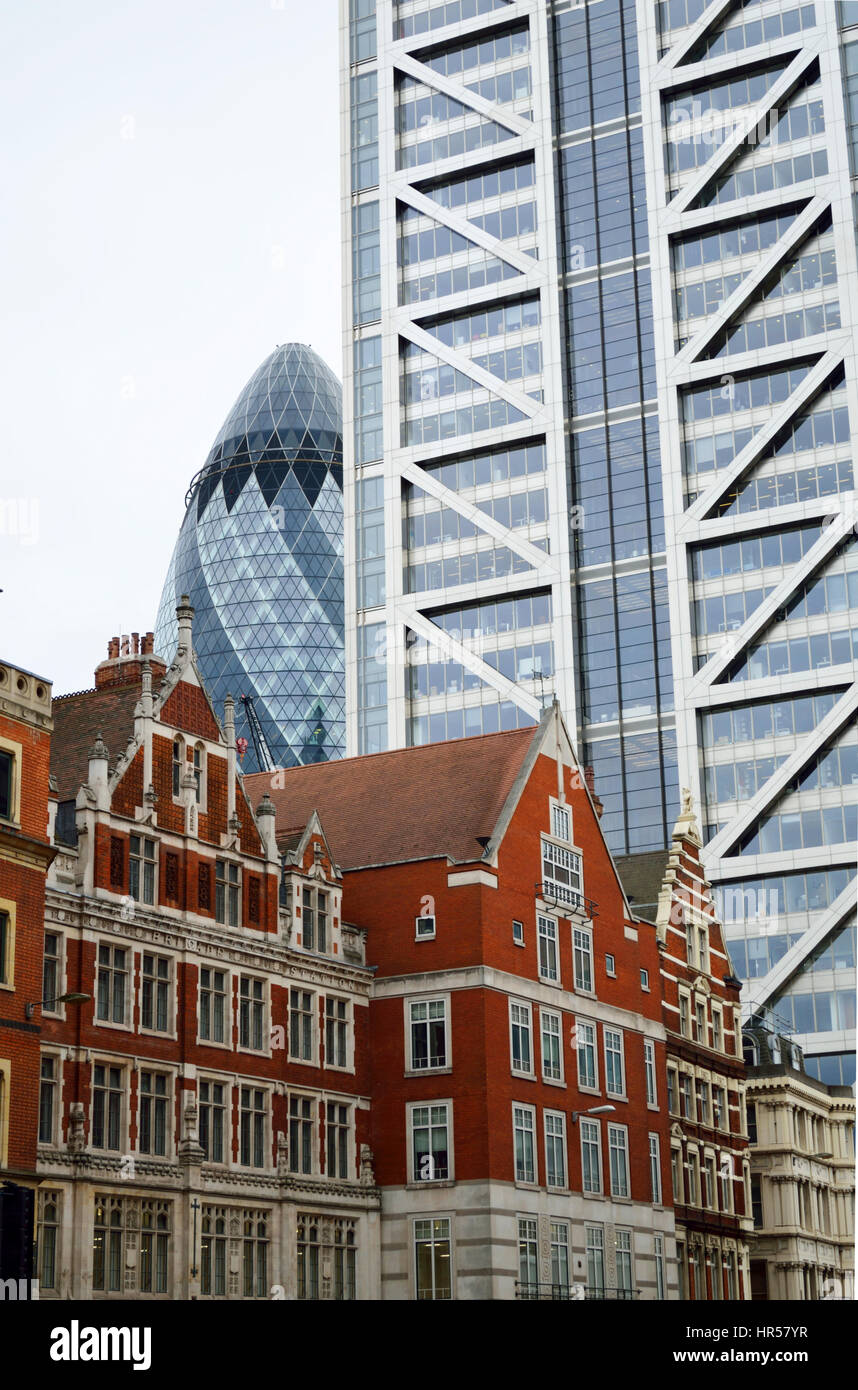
[[260, 553]]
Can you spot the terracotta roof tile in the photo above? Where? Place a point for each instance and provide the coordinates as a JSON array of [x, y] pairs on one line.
[[77, 720], [413, 803]]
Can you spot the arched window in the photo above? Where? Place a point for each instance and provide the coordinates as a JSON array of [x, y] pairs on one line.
[[200, 772], [775, 1049], [750, 1051], [178, 765]]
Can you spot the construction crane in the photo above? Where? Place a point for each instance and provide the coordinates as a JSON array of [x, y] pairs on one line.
[[260, 743]]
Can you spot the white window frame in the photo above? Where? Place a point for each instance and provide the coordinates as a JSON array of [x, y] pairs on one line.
[[58, 1010], [427, 934], [555, 853], [264, 1050], [546, 931], [557, 1118], [615, 1033], [561, 822], [592, 1048], [582, 934], [56, 1084], [245, 1084], [651, 1080], [170, 1030], [410, 1109], [610, 965], [529, 1110], [677, 1175], [301, 1013], [658, 1257], [622, 1148], [527, 1009], [645, 980], [145, 861], [157, 1069], [427, 1000], [591, 1138], [212, 1079], [348, 1064], [517, 936], [684, 1007], [655, 1169], [109, 1064], [227, 1005], [128, 972], [552, 1017], [447, 1237], [717, 1027]]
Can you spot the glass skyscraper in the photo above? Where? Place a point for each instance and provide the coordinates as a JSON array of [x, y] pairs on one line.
[[260, 554], [599, 378]]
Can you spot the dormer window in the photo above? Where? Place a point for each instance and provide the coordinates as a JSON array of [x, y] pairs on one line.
[[560, 827], [314, 917], [178, 765]]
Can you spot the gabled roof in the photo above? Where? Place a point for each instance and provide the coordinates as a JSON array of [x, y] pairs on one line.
[[441, 799], [77, 720]]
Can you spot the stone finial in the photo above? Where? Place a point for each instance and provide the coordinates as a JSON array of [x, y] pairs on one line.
[[686, 827], [266, 806], [367, 1172], [185, 617], [99, 749]]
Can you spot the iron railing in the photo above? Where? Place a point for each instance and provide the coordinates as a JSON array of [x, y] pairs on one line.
[[571, 1293]]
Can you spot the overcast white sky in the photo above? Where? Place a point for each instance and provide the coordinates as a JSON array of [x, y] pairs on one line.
[[170, 190]]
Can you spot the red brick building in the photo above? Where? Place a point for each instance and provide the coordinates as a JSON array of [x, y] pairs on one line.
[[25, 853], [204, 1118], [709, 1160], [519, 1104]]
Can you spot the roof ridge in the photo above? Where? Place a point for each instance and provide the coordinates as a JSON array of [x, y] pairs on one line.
[[528, 730]]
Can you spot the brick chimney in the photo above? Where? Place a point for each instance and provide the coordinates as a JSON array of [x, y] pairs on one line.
[[590, 779], [125, 658]]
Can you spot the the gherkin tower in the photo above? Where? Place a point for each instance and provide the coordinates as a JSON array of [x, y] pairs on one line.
[[260, 553]]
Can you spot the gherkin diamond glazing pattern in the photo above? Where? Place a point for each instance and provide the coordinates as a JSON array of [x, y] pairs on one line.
[[260, 553]]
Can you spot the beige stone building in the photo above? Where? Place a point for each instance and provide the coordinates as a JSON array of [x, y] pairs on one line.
[[802, 1175]]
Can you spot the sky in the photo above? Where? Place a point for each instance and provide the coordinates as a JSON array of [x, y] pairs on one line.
[[170, 193]]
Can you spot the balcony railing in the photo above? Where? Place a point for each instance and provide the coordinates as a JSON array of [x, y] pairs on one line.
[[557, 896], [570, 1293]]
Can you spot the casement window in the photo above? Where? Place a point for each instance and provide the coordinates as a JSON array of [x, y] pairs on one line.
[[431, 1149], [227, 893], [561, 874], [251, 1013], [684, 1015], [153, 1113], [314, 1251], [433, 1258], [645, 980], [692, 1168], [337, 1139], [595, 1238], [560, 824], [251, 1135], [560, 1259], [108, 1102], [610, 966], [149, 1224], [702, 949], [315, 921], [6, 943], [615, 1074], [700, 1030], [302, 1142], [676, 1176], [302, 1007], [717, 1029], [524, 1127], [427, 1034], [424, 928], [7, 785], [649, 1072], [48, 1077], [142, 869], [528, 1257], [686, 1096], [625, 1276], [112, 984], [730, 1271], [672, 1086], [582, 955], [178, 766], [155, 993], [47, 1238], [51, 972], [520, 1037], [555, 1149], [660, 1281], [588, 1064], [591, 1156], [709, 1199], [336, 1032], [213, 1251], [213, 1011], [552, 1045], [213, 1117], [703, 1116], [655, 1169], [547, 936], [725, 1175], [518, 933], [254, 1254], [618, 1151]]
